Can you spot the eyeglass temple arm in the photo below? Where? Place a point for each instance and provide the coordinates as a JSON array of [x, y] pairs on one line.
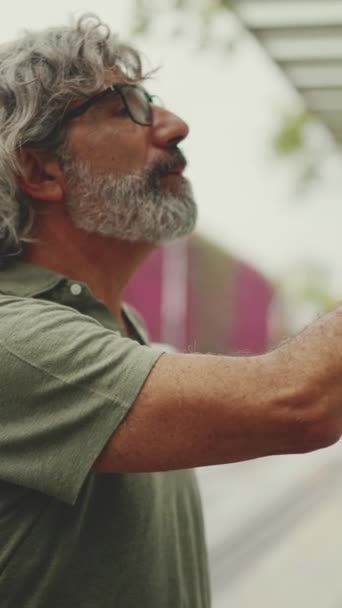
[[74, 112]]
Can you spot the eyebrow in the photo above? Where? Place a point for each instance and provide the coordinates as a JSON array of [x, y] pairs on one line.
[[83, 107]]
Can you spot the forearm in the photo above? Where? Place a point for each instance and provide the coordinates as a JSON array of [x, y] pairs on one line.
[[199, 410]]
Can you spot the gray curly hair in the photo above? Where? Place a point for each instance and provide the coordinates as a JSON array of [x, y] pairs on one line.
[[40, 74]]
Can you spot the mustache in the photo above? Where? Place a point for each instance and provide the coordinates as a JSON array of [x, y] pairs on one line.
[[173, 160]]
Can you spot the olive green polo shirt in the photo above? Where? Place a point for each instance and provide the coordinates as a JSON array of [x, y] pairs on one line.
[[71, 537]]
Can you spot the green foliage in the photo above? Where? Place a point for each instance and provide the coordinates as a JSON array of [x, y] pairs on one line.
[[290, 137], [314, 292], [206, 7], [141, 17], [180, 4], [145, 13], [300, 288], [292, 140], [212, 7]]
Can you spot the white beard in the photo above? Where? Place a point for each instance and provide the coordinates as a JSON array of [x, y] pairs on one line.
[[138, 207]]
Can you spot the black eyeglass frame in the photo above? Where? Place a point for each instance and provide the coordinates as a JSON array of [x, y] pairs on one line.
[[114, 89]]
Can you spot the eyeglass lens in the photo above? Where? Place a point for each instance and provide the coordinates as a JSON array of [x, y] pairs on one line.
[[139, 104]]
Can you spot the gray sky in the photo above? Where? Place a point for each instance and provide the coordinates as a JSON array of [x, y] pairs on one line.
[[246, 195]]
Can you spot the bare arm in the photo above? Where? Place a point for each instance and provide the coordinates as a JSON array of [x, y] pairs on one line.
[[198, 410]]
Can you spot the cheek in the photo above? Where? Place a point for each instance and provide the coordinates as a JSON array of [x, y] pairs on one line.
[[112, 149]]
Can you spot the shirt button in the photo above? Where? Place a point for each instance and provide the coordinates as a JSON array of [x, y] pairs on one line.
[[76, 289]]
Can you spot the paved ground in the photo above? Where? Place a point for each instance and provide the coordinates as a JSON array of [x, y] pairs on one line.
[[274, 530]]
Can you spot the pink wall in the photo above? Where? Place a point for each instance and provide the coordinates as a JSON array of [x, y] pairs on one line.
[[144, 293], [251, 301], [227, 300]]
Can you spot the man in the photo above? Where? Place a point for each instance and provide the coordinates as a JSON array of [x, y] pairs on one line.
[[98, 431]]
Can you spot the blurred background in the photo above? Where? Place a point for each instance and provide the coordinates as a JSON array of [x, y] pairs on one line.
[[260, 84]]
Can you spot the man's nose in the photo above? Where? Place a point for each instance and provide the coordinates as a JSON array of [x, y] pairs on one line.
[[168, 129]]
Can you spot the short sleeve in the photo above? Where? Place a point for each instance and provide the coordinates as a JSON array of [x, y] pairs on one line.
[[66, 384]]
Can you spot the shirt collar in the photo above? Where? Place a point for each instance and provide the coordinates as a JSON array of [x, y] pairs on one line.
[[28, 280], [22, 279]]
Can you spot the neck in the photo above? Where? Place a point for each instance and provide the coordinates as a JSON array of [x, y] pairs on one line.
[[105, 264]]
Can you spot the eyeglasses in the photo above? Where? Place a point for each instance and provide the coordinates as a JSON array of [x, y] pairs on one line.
[[137, 103]]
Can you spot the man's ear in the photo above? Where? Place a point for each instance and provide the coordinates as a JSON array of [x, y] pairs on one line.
[[41, 177]]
